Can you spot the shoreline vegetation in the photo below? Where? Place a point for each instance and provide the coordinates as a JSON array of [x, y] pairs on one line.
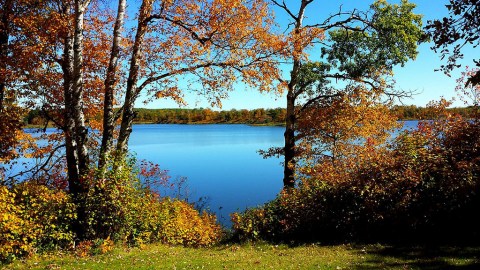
[[255, 117]]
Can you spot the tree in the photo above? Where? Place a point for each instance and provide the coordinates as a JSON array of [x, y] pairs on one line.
[[78, 71], [459, 29], [356, 47]]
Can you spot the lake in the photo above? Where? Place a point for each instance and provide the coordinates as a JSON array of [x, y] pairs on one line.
[[220, 162]]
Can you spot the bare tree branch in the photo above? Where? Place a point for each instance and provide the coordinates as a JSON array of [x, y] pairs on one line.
[[36, 169], [284, 7]]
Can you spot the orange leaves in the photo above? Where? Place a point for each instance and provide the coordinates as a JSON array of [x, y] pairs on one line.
[[344, 126], [303, 38], [173, 92], [234, 38], [13, 140]]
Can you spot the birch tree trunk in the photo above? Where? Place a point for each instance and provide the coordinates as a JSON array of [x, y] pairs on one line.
[[81, 132], [108, 113], [69, 128]]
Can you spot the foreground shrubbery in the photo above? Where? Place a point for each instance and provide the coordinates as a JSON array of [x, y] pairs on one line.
[[424, 187], [117, 208], [34, 218]]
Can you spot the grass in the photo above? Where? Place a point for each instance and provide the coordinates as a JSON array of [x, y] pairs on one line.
[[265, 256]]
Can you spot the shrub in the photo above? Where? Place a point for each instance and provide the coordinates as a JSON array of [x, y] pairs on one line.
[[116, 208], [33, 218], [51, 211], [15, 235], [182, 224], [119, 206], [424, 187]]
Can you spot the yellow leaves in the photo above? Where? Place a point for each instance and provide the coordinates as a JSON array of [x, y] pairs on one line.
[[32, 215], [184, 225]]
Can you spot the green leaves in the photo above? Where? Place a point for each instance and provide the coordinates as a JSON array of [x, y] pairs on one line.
[[388, 38]]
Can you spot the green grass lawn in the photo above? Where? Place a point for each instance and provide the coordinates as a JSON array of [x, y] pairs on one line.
[[265, 256]]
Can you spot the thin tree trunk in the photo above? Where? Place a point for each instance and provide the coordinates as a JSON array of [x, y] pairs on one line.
[[128, 114], [289, 135], [108, 113]]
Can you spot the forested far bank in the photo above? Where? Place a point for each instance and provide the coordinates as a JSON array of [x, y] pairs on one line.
[[254, 117]]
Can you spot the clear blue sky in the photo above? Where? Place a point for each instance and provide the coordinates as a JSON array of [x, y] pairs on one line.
[[418, 75]]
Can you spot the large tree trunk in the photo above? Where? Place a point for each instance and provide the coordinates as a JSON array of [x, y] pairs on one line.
[[293, 93], [131, 94], [81, 132], [108, 113]]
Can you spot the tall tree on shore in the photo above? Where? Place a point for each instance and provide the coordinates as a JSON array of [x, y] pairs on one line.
[[110, 82], [355, 46], [77, 72]]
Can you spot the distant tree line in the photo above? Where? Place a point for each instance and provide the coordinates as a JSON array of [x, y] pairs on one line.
[[193, 116], [412, 112], [200, 116], [255, 117]]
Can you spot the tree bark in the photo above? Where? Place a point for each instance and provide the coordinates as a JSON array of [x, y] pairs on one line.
[[290, 118], [131, 94], [69, 123], [108, 113], [81, 132], [289, 135]]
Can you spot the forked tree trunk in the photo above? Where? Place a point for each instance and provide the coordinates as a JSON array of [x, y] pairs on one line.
[[108, 113], [128, 114]]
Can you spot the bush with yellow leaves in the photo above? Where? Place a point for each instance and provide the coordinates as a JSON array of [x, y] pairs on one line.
[[33, 217], [182, 224], [122, 207]]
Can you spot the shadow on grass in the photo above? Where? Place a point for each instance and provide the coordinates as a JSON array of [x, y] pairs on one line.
[[426, 257]]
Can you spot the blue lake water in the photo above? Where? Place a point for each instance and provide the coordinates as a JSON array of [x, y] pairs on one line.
[[220, 162]]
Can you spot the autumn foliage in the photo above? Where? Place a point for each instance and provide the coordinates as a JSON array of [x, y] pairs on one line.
[[120, 209], [423, 186]]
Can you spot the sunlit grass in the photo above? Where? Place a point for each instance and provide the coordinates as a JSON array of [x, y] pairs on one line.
[[263, 256]]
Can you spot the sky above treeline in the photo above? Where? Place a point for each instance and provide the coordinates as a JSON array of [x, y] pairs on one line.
[[418, 75]]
